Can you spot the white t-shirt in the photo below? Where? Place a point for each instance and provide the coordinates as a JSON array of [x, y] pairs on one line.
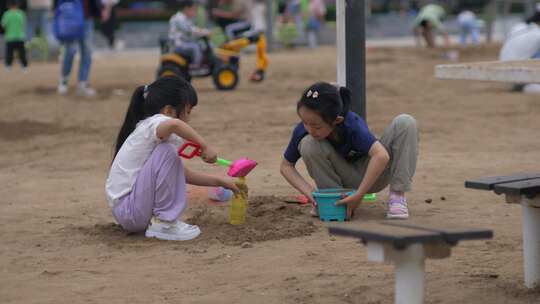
[[523, 42], [132, 156]]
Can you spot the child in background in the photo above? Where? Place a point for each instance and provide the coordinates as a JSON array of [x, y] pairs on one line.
[[183, 32], [469, 25], [234, 17], [523, 43], [340, 152], [92, 10], [294, 13], [146, 186], [14, 23], [428, 22], [109, 21], [317, 12]]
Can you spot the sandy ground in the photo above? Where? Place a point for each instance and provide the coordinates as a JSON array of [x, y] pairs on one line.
[[60, 243]]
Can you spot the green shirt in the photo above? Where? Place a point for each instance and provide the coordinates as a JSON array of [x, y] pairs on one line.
[[14, 23], [433, 13]]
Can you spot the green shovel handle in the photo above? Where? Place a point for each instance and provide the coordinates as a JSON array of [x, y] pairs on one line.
[[370, 197], [223, 162]]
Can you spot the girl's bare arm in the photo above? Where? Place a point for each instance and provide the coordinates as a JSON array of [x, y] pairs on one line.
[[378, 160], [201, 179], [182, 129], [296, 180]]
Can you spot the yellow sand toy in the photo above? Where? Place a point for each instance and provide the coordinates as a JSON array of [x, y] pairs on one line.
[[221, 63]]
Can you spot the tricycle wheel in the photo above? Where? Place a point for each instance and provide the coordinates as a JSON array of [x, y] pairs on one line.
[[225, 78]]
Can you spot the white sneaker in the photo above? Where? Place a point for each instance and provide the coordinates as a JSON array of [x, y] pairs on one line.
[[85, 90], [172, 231], [62, 88]]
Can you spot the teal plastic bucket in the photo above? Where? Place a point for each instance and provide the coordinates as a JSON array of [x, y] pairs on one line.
[[326, 199]]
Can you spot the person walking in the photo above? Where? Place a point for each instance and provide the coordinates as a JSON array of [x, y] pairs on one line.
[[109, 24], [317, 13], [92, 9]]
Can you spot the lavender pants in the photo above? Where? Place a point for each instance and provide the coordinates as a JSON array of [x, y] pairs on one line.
[[159, 190]]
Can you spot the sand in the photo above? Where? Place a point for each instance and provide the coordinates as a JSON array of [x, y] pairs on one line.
[[60, 243]]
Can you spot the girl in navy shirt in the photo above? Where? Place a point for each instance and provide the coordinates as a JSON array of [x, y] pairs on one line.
[[340, 152]]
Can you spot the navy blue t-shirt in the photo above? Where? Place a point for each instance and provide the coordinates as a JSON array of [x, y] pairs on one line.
[[356, 139]]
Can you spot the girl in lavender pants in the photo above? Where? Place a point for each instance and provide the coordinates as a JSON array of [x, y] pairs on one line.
[[146, 186]]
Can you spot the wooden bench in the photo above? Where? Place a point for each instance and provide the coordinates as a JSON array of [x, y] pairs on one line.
[[407, 245], [524, 189]]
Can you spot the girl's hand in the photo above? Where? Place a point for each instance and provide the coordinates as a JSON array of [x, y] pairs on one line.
[[352, 202], [208, 155], [310, 199], [228, 183]]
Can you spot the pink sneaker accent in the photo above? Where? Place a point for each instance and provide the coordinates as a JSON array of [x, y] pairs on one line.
[[397, 208]]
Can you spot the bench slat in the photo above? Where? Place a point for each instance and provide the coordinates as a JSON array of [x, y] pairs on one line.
[[400, 237], [451, 234], [530, 188], [488, 183]]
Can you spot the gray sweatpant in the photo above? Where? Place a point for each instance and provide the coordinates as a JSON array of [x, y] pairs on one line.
[[330, 170]]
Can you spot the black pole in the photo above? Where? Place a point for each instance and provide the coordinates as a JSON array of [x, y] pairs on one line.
[[355, 40], [269, 25]]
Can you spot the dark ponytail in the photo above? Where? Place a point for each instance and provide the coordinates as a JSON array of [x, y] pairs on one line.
[[134, 114], [345, 95], [327, 100], [148, 100]]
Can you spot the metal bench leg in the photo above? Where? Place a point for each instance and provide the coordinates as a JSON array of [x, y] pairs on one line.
[[410, 275], [409, 270], [531, 241]]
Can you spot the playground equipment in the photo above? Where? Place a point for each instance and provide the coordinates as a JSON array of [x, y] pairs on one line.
[[238, 168], [221, 63]]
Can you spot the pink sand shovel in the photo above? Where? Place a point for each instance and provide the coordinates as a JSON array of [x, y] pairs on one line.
[[238, 168]]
